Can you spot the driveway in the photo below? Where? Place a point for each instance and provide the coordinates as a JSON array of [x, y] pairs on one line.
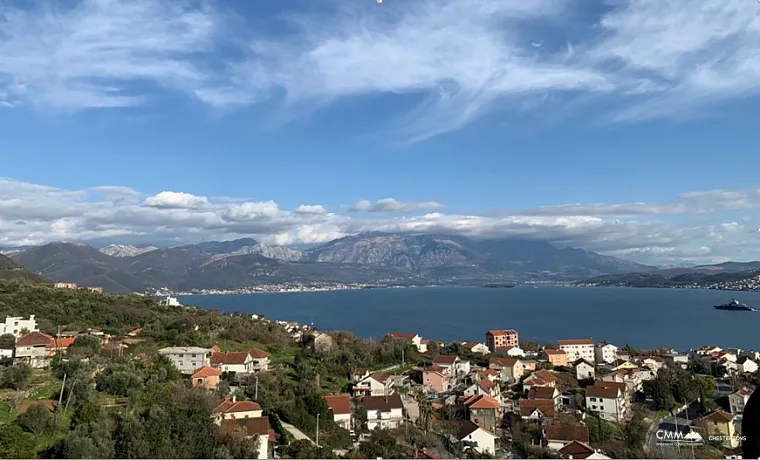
[[295, 432]]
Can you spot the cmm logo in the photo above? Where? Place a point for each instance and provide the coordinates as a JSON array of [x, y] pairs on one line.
[[667, 436]]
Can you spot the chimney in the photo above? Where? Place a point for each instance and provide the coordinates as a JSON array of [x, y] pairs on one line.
[[234, 398]]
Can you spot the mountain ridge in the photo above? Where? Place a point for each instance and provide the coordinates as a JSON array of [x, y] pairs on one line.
[[372, 258]]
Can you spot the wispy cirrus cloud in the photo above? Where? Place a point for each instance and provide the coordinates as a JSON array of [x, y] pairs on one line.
[[34, 214]]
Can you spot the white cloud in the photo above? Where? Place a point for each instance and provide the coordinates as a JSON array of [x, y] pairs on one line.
[[35, 214], [91, 53], [391, 205], [311, 209], [180, 200]]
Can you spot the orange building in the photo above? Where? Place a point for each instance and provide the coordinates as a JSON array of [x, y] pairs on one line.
[[557, 358], [502, 339], [206, 377]]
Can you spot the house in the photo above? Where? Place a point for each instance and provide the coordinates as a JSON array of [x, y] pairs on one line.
[[471, 436], [238, 362], [628, 377], [320, 342], [484, 410], [187, 359], [608, 399], [720, 423], [502, 339], [35, 349], [676, 360], [622, 355], [359, 374], [706, 350], [6, 353], [436, 379], [537, 409], [745, 364], [558, 436], [475, 347], [260, 360], [529, 365], [60, 285], [584, 370], [340, 406], [511, 369], [250, 428], [488, 374], [580, 450], [605, 352], [383, 411], [546, 394], [483, 387], [18, 326], [414, 338], [231, 409], [738, 399], [652, 362], [375, 384], [557, 358], [452, 365], [578, 349], [542, 378], [510, 351], [206, 377]]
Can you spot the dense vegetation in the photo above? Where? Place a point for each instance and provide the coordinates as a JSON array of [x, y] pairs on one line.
[[10, 270]]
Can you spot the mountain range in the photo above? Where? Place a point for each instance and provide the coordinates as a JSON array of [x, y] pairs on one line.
[[371, 258]]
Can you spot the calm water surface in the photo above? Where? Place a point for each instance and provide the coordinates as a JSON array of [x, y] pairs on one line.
[[646, 318]]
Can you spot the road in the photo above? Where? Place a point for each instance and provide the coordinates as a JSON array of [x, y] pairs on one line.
[[295, 432], [680, 423]]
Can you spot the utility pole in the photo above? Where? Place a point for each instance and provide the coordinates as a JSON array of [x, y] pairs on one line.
[[60, 398], [256, 391], [317, 443], [403, 361]]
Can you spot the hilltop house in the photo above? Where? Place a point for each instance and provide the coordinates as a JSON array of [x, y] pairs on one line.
[[231, 409], [383, 411], [605, 352], [558, 436], [511, 369], [608, 399], [241, 363], [502, 339], [452, 365], [187, 359], [320, 342], [584, 370], [414, 338], [477, 348], [578, 349], [37, 349], [340, 406], [471, 436], [18, 326], [435, 378], [484, 410], [375, 384], [557, 358]]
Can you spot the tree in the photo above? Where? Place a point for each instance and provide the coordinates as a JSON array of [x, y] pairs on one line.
[[7, 341], [85, 346], [37, 420], [17, 377], [16, 443]]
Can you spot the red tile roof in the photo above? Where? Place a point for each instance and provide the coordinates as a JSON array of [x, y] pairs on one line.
[[567, 433], [216, 348], [719, 416], [486, 385], [576, 450], [64, 342], [228, 358], [575, 342], [229, 407], [546, 407], [445, 359], [537, 392], [206, 371], [383, 403], [251, 426], [402, 335], [258, 353], [502, 362], [609, 390], [553, 351], [482, 402], [35, 339], [339, 404]]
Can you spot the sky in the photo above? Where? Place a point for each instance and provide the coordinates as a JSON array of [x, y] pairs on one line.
[[626, 127]]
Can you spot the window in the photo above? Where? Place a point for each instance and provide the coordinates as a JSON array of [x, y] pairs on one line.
[[193, 356]]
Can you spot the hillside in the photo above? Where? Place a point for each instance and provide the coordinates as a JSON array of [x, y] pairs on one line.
[[742, 280], [370, 258], [11, 271]]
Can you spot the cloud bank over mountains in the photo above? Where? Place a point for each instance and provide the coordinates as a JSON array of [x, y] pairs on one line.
[[698, 226]]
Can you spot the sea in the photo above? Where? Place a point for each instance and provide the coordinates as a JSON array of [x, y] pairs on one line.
[[644, 318]]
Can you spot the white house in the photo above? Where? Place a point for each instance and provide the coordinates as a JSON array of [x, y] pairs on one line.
[[452, 365], [188, 359], [470, 435], [231, 409], [375, 384], [584, 370], [18, 326], [383, 411], [340, 406], [475, 347], [738, 399], [414, 338], [241, 362], [484, 387], [605, 352], [608, 399], [35, 349], [515, 352], [578, 349], [746, 364]]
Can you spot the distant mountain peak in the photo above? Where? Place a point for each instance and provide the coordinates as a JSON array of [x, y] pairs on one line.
[[126, 250]]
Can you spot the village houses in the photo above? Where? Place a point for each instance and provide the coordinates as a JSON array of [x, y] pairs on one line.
[[605, 352], [541, 378], [578, 349], [37, 349]]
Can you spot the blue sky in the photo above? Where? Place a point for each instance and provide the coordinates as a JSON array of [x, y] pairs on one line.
[[159, 121]]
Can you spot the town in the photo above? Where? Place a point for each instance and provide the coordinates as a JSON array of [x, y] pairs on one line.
[[305, 393]]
